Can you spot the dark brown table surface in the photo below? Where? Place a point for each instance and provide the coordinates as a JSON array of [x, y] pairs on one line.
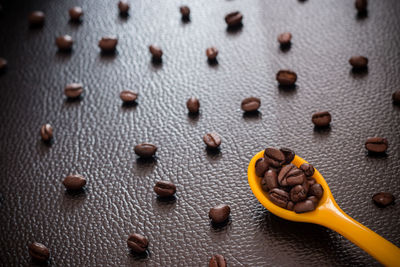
[[96, 136]]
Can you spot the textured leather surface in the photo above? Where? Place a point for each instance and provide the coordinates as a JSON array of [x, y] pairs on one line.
[[96, 136]]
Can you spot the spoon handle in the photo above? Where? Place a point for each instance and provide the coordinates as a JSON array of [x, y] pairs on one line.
[[372, 243]]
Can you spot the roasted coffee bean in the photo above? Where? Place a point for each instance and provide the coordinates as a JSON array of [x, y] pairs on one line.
[[290, 205], [39, 252], [304, 206], [185, 12], [290, 175], [74, 182], [321, 119], [361, 5], [46, 131], [123, 6], [395, 96], [36, 18], [316, 190], [274, 157], [137, 243], [376, 144], [279, 197], [289, 155], [383, 199], [165, 189], [250, 104], [308, 169], [270, 180], [128, 96], [306, 185], [75, 13], [3, 64], [234, 19], [64, 42], [193, 105], [314, 199], [219, 214], [145, 150], [298, 193], [156, 52], [108, 44], [73, 90], [212, 53], [358, 62], [212, 140], [285, 38], [261, 167], [286, 77], [311, 181], [217, 261]]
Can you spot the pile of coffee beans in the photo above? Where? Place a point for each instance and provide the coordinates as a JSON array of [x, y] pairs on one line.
[[286, 185]]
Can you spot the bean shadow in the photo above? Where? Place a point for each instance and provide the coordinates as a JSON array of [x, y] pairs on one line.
[[156, 63], [362, 15], [72, 102], [73, 199], [165, 204], [75, 23], [285, 47], [64, 55], [128, 106], [358, 73], [43, 147], [185, 20], [376, 155], [123, 16], [213, 62], [252, 115], [193, 118], [139, 256], [40, 263], [213, 154], [143, 166], [322, 131], [108, 56], [234, 30], [287, 90]]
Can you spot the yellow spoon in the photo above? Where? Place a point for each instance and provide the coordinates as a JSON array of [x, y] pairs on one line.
[[329, 214]]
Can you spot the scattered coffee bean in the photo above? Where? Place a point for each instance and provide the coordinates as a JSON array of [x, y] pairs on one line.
[[316, 190], [137, 243], [3, 64], [46, 131], [361, 5], [270, 180], [145, 150], [251, 104], [376, 144], [217, 261], [261, 167], [286, 77], [321, 119], [123, 7], [74, 182], [395, 96], [75, 13], [308, 169], [285, 38], [165, 189], [298, 193], [156, 52], [108, 44], [383, 199], [39, 252], [219, 214], [212, 53], [212, 140], [234, 19], [185, 12], [289, 155], [279, 197], [64, 42], [73, 90], [128, 96], [304, 206], [290, 175], [274, 157], [36, 18], [193, 105], [358, 62]]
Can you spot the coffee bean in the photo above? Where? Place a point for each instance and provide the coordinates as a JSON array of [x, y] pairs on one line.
[[156, 52], [3, 64], [274, 157], [219, 214], [308, 169], [383, 199], [321, 119], [108, 44], [217, 261], [64, 42], [286, 77], [193, 105], [39, 252], [212, 140], [36, 18], [74, 182], [395, 96], [290, 205], [212, 53], [298, 193], [290, 175], [73, 90], [311, 181], [165, 189], [361, 5], [316, 190], [123, 6], [145, 150], [304, 206], [234, 19], [128, 96], [137, 243], [75, 13], [270, 180], [358, 62], [46, 131], [185, 12], [314, 199], [376, 144], [285, 38], [289, 155], [251, 104], [279, 197], [261, 167]]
